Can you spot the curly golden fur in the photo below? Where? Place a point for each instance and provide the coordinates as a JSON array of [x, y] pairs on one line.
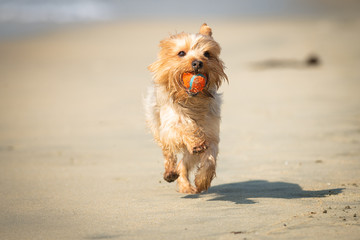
[[183, 123]]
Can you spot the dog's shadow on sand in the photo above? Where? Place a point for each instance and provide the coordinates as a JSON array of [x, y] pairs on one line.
[[244, 192]]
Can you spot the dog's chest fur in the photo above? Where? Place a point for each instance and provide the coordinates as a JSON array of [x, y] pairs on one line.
[[170, 119]]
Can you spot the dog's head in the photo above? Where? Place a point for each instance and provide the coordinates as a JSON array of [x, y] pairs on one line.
[[194, 53]]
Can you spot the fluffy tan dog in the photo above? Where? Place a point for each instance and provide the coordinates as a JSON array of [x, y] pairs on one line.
[[181, 121]]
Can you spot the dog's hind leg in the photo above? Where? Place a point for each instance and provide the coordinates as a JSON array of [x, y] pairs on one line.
[[170, 174], [183, 168], [206, 171]]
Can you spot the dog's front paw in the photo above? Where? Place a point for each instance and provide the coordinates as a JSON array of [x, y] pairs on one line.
[[199, 149], [170, 176]]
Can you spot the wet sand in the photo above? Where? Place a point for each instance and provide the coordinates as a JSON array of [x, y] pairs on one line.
[[76, 161]]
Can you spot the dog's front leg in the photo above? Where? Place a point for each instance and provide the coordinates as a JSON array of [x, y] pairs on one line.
[[170, 173], [194, 141], [206, 171]]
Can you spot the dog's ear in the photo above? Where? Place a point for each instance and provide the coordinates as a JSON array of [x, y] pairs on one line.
[[205, 30]]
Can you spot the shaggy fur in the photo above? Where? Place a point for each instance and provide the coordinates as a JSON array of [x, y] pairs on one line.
[[180, 122]]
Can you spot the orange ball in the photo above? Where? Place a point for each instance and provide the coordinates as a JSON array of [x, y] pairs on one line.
[[194, 83]]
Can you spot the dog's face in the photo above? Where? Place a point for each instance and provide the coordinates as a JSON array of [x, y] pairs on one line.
[[195, 53]]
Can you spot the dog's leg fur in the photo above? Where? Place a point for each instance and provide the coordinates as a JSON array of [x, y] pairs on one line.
[[206, 170], [170, 173], [184, 167], [194, 139]]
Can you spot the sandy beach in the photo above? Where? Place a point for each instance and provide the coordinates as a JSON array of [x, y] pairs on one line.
[[77, 162]]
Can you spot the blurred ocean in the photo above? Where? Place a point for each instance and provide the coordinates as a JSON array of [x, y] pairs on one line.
[[19, 17]]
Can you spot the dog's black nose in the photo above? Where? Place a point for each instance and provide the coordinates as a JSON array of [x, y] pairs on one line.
[[196, 65]]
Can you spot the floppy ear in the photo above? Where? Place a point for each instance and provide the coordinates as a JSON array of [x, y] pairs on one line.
[[205, 30]]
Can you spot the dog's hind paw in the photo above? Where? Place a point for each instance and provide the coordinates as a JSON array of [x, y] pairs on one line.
[[199, 149], [187, 189], [170, 176]]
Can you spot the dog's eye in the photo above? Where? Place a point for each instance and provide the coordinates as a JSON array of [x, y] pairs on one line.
[[181, 53], [207, 54]]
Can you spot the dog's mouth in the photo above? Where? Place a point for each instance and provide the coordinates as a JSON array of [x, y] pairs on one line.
[[198, 71]]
